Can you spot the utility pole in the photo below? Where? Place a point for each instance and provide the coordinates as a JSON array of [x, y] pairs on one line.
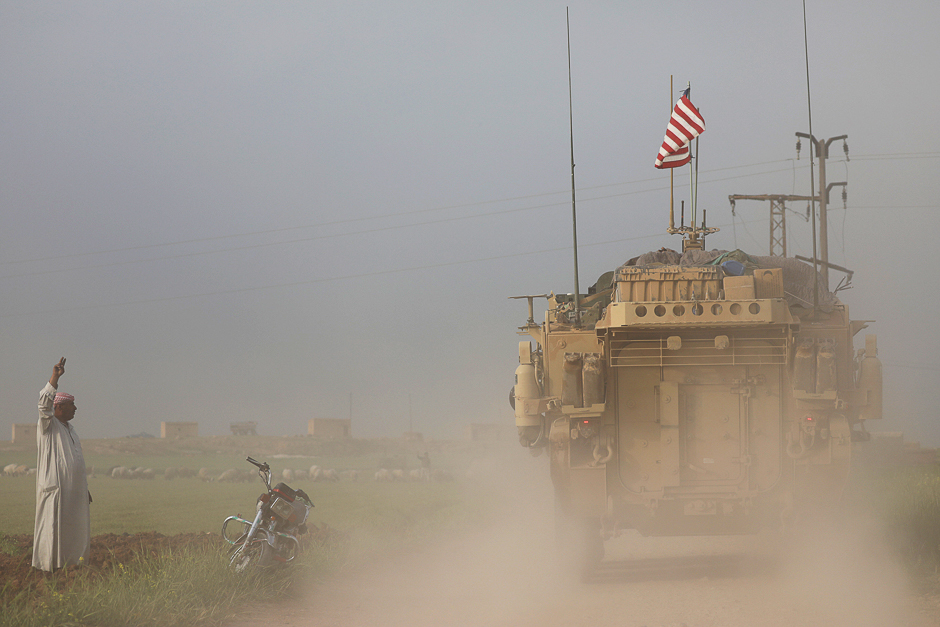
[[822, 151]]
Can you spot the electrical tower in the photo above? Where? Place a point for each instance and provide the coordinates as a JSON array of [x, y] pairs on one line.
[[778, 217], [778, 234]]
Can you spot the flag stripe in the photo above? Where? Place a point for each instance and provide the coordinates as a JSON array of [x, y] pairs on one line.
[[685, 124], [676, 159]]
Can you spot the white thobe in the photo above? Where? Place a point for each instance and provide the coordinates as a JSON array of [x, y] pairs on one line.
[[62, 533]]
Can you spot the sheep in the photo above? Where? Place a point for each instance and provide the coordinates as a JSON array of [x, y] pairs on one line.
[[300, 474], [287, 474], [205, 474], [147, 473], [398, 475], [383, 474], [314, 473], [229, 476], [16, 470], [120, 472], [186, 472], [329, 475], [415, 474], [349, 475]]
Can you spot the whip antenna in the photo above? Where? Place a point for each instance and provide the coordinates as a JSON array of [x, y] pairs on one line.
[[574, 213], [812, 161]]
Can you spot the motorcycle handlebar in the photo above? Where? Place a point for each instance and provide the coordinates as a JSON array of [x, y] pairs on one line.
[[260, 465]]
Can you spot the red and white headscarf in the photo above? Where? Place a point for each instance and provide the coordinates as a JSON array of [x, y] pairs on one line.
[[62, 397]]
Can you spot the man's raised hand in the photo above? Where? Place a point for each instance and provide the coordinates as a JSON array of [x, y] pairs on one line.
[[57, 371]]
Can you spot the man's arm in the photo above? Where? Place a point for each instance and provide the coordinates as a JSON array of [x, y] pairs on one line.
[[57, 371], [47, 397]]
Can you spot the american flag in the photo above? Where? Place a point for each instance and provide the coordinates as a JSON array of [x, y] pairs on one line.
[[685, 125]]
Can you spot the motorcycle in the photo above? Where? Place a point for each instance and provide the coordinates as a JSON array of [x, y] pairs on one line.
[[271, 538]]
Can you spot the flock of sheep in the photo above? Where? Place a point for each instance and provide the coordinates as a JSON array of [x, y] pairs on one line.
[[233, 475], [18, 470], [416, 474]]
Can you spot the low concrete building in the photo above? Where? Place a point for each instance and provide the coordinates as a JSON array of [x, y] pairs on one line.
[[174, 430], [330, 427], [25, 434], [486, 431], [244, 428]]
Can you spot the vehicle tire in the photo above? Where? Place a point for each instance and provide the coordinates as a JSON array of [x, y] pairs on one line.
[[249, 556]]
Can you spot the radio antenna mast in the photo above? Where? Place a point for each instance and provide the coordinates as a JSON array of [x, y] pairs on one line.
[[574, 213], [812, 158]]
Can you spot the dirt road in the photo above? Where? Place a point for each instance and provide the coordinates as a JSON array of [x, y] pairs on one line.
[[485, 581], [506, 575]]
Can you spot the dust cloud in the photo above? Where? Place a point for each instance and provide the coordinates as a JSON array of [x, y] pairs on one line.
[[832, 573], [491, 576]]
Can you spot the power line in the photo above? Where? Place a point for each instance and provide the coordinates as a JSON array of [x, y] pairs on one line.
[[913, 366], [322, 237], [897, 155], [849, 207], [424, 223], [388, 215], [398, 214], [371, 273]]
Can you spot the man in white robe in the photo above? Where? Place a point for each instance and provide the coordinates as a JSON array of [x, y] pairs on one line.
[[62, 533]]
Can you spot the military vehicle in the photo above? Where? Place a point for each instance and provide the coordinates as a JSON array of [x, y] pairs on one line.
[[694, 394]]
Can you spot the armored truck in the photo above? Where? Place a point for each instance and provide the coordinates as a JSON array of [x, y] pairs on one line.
[[701, 393]]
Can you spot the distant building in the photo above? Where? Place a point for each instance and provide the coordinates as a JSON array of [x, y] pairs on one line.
[[489, 431], [24, 434], [244, 428], [330, 427], [174, 430]]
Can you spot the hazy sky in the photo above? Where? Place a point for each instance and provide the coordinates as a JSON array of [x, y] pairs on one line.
[[261, 211]]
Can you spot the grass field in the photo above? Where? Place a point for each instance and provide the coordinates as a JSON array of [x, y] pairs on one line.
[[195, 586], [190, 505], [371, 518], [186, 505]]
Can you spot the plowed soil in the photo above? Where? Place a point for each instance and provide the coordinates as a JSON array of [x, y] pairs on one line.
[[107, 551]]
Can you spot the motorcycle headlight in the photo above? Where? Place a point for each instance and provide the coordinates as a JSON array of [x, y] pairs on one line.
[[282, 508]]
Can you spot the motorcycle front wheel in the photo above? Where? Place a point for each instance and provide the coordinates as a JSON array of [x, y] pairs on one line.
[[249, 556]]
